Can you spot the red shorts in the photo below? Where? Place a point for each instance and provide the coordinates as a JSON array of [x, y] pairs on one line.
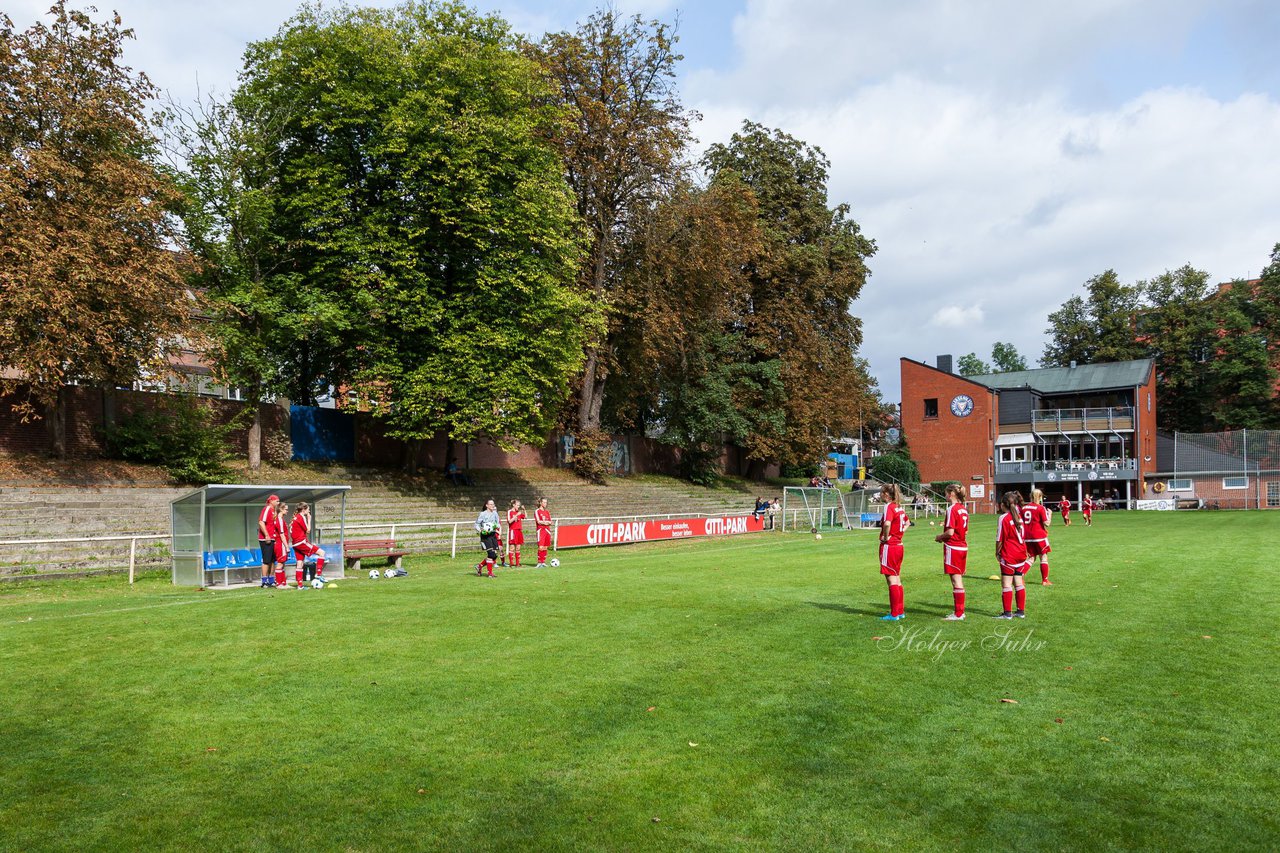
[[890, 559], [1006, 569], [517, 536], [302, 550], [544, 537], [954, 559], [282, 551], [1038, 547], [1087, 513]]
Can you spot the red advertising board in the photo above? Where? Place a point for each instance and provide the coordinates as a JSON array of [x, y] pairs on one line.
[[625, 532]]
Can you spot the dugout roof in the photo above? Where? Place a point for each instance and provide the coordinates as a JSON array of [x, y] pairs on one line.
[[240, 495]]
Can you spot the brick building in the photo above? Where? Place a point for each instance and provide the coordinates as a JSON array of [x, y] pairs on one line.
[[1087, 429]]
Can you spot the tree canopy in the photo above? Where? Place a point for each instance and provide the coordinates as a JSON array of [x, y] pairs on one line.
[[91, 278]]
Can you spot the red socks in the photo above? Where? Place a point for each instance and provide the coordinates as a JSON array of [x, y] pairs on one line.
[[542, 555], [282, 579], [297, 573], [1006, 595], [319, 565], [489, 565], [1022, 598], [1044, 572], [516, 557], [896, 607], [958, 595]]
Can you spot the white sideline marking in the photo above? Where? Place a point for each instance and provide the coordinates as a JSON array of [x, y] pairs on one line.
[[33, 619]]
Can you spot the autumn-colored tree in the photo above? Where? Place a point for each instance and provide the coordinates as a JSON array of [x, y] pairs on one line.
[[621, 145], [91, 286], [811, 268]]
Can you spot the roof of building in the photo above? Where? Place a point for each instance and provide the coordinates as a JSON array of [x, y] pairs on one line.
[[1065, 380]]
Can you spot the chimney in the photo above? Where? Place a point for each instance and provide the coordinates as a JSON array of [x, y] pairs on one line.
[[944, 363]]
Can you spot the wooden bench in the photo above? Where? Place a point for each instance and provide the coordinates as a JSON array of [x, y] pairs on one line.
[[355, 550]]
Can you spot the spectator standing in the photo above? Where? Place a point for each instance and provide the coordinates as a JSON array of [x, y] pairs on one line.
[[267, 539]]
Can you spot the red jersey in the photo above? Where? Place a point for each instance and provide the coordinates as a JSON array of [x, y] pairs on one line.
[[267, 522], [1035, 523], [298, 530], [515, 519], [1086, 506], [542, 518], [1010, 548], [282, 527], [1065, 506], [895, 518], [958, 522]]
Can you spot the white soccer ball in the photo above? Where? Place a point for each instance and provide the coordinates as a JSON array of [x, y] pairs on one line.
[[817, 536], [555, 564], [373, 574], [317, 583]]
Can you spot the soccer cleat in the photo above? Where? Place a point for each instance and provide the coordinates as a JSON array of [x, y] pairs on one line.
[[540, 566], [1046, 583], [951, 617], [1005, 615], [1020, 614], [889, 617]]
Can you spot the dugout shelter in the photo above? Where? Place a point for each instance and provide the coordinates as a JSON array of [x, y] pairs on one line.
[[215, 530]]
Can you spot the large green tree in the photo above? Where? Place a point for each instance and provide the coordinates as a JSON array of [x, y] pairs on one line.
[[1179, 333], [91, 287], [811, 267], [622, 147], [412, 219], [1096, 328]]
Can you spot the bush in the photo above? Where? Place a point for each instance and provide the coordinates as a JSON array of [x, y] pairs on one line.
[[177, 433], [798, 471], [895, 468], [277, 448]]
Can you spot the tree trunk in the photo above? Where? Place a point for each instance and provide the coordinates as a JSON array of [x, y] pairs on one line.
[[412, 451], [592, 396], [255, 436], [57, 420]]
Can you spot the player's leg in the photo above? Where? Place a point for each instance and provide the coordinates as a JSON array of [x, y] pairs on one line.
[[1020, 596], [1006, 592], [268, 550], [954, 567]]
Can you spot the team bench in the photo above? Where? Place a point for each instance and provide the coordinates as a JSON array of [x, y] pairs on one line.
[[355, 550]]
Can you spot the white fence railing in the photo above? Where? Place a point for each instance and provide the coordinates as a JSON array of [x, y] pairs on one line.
[[132, 539]]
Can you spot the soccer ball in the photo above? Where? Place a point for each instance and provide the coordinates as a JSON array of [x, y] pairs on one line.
[[817, 536], [317, 583], [373, 574], [486, 529], [555, 564]]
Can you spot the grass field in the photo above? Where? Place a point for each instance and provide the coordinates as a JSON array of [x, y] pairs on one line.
[[735, 694]]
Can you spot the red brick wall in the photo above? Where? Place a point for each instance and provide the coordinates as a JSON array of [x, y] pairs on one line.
[[948, 447], [1145, 452]]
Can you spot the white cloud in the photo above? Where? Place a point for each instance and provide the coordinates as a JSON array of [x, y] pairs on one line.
[[957, 316]]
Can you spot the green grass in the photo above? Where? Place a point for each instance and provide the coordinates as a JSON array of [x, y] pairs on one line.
[[560, 709]]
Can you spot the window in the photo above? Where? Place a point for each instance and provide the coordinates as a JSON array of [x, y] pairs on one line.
[[1179, 485], [1235, 482], [1273, 494], [1013, 454], [931, 407]]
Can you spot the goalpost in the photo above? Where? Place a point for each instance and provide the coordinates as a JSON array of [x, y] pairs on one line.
[[805, 507]]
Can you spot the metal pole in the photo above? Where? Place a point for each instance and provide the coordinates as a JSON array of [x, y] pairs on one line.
[[133, 552], [453, 549]]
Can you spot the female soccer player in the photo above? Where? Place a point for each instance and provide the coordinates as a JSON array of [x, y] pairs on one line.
[[1011, 553], [300, 536], [282, 544], [1064, 507], [487, 526], [955, 547], [266, 539], [1035, 530], [515, 532], [542, 520], [1086, 509], [891, 530]]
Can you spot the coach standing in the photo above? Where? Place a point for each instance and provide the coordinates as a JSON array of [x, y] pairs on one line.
[[267, 539]]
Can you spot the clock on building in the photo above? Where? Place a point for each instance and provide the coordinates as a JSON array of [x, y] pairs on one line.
[[962, 405]]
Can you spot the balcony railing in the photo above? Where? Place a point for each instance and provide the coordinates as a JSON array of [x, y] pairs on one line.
[[1083, 420], [1065, 465]]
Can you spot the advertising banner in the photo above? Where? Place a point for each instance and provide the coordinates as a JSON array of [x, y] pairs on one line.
[[1167, 504], [624, 532]]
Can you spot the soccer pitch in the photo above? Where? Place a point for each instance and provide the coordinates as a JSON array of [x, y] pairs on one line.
[[731, 694]]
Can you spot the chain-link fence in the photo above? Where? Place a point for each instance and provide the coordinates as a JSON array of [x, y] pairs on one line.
[[1239, 469]]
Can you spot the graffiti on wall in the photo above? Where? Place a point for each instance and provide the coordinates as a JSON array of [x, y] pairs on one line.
[[617, 452]]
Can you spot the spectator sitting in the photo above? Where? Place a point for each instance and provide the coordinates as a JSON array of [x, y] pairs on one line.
[[761, 506], [815, 483], [454, 475], [826, 483]]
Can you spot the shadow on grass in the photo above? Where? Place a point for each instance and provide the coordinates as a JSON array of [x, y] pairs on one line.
[[845, 608]]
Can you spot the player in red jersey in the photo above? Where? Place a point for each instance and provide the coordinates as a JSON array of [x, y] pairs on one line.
[[542, 520], [1064, 507], [300, 537], [891, 530], [282, 544], [1035, 530], [1086, 509], [515, 531], [955, 546], [267, 540], [1011, 553]]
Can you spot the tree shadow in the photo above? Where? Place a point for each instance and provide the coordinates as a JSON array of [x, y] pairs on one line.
[[846, 609]]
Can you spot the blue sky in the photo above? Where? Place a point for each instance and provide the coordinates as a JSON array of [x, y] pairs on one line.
[[999, 152]]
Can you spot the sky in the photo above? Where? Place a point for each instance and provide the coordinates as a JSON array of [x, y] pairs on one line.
[[999, 152]]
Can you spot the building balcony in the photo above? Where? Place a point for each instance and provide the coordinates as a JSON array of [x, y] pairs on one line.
[[1116, 419], [1067, 471]]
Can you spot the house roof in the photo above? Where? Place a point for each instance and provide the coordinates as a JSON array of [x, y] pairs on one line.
[[1065, 380]]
